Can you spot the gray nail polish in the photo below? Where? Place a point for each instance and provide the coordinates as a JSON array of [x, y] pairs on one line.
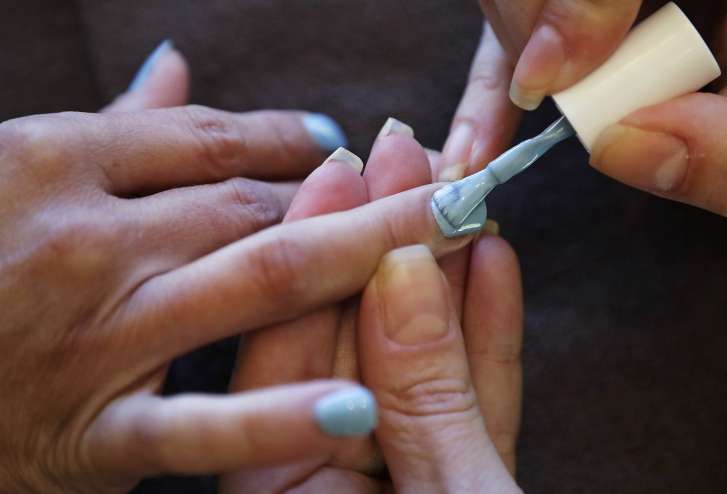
[[148, 66], [325, 131], [346, 413]]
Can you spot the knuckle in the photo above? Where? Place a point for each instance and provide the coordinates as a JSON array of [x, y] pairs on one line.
[[432, 397], [254, 207], [82, 246], [504, 354], [219, 142], [275, 274]]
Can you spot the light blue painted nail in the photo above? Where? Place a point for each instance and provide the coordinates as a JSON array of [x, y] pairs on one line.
[[148, 67], [346, 413], [325, 131]]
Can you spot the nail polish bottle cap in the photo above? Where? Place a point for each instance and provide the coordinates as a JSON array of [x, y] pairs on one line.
[[662, 58]]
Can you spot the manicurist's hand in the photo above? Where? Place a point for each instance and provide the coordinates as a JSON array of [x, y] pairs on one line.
[[676, 150], [328, 342], [529, 49], [129, 239]]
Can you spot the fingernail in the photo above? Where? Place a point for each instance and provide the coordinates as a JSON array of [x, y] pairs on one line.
[[538, 68], [347, 413], [456, 153], [325, 131], [416, 306], [491, 227], [149, 64], [346, 156], [393, 126], [648, 160]]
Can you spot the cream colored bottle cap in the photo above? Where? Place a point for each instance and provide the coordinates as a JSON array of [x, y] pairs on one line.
[[662, 58]]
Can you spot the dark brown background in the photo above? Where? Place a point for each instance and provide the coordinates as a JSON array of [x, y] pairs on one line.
[[626, 294]]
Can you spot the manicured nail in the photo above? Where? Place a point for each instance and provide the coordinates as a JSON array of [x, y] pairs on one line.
[[457, 152], [347, 413], [416, 303], [648, 160], [343, 154], [327, 134], [538, 68], [393, 126], [149, 65]]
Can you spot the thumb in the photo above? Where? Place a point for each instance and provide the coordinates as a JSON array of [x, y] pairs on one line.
[[413, 358], [161, 82], [675, 150]]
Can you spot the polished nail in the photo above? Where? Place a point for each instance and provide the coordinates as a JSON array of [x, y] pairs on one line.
[[346, 156], [457, 152], [149, 65], [538, 68], [327, 134], [350, 412], [645, 159], [393, 126], [415, 298]]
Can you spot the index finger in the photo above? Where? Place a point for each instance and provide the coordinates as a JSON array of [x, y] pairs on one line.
[[281, 272]]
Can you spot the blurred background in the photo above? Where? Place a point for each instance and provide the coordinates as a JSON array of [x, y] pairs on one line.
[[626, 294]]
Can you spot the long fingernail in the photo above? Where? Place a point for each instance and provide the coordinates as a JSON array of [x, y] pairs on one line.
[[149, 65], [457, 152], [538, 68], [393, 126], [416, 304], [346, 156], [350, 412], [325, 131], [648, 160]]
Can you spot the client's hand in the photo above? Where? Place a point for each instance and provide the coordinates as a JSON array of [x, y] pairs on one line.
[[323, 344], [121, 251]]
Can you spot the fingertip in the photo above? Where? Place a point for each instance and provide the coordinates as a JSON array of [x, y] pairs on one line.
[[397, 163]]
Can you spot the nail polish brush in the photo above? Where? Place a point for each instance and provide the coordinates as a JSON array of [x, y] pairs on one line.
[[662, 58]]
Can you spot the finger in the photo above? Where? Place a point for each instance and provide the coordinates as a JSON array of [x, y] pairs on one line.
[[195, 434], [485, 120], [413, 358], [675, 150], [493, 327], [142, 152], [569, 39], [162, 82], [280, 273], [303, 349], [186, 223]]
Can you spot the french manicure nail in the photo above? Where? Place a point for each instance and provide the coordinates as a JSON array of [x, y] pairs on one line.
[[457, 152], [346, 156], [350, 412], [325, 131], [645, 159], [393, 126], [416, 303], [149, 64], [538, 68]]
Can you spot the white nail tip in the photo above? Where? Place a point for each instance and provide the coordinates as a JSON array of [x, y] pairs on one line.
[[393, 126], [346, 156]]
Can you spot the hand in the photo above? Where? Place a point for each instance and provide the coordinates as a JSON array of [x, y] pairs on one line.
[[122, 251], [322, 344], [529, 49], [675, 150]]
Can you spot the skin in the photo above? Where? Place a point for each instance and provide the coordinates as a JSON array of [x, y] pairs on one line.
[[324, 343], [672, 150], [135, 245]]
